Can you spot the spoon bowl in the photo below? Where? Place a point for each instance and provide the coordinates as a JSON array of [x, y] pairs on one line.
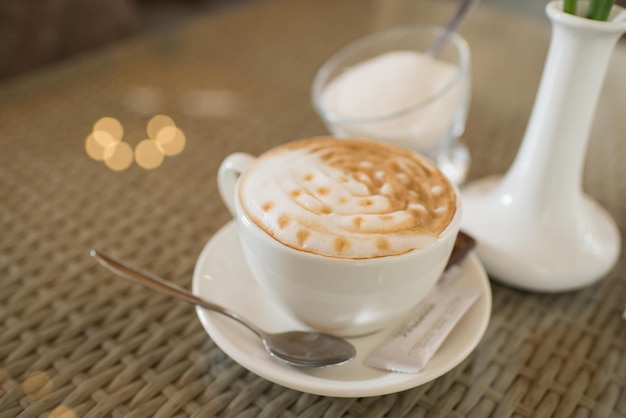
[[297, 348]]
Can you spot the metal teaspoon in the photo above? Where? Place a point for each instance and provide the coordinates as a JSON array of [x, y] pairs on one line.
[[453, 23], [298, 348]]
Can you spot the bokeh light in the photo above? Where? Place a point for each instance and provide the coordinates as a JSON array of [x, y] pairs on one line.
[[119, 156], [62, 411], [37, 385], [106, 134], [105, 143], [93, 148], [110, 126], [171, 140], [148, 155], [158, 122], [104, 138]]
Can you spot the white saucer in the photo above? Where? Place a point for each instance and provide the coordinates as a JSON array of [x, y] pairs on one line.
[[221, 276]]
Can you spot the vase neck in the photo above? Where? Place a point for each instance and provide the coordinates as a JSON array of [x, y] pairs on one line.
[[551, 157]]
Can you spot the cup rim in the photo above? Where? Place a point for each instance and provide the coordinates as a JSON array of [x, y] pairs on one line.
[[323, 73], [452, 228]]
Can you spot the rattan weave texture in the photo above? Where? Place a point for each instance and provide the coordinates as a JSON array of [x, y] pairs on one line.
[[77, 342]]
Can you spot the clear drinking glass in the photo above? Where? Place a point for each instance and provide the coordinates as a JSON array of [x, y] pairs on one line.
[[430, 124]]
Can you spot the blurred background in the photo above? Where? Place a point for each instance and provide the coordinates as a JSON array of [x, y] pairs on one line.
[[36, 33]]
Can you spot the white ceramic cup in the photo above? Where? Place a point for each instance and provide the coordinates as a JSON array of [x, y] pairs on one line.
[[337, 295]]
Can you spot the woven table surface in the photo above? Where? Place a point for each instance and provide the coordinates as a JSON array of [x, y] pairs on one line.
[[76, 341]]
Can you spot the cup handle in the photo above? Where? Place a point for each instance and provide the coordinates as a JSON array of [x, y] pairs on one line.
[[229, 172]]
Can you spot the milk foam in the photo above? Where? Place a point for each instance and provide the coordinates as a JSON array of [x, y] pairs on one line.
[[391, 83], [347, 198]]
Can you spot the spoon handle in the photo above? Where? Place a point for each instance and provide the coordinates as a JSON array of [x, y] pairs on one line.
[[154, 282], [451, 26]]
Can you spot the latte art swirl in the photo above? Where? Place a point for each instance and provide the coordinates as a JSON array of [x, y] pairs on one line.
[[347, 198]]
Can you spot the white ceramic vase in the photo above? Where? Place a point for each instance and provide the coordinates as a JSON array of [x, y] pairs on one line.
[[536, 228]]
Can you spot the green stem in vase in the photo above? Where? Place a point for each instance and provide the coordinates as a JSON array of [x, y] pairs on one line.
[[593, 5], [598, 9], [570, 6]]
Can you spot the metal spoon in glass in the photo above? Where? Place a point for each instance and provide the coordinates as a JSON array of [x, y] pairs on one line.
[[459, 14], [298, 348]]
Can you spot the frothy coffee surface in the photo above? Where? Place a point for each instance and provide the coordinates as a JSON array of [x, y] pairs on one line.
[[347, 198]]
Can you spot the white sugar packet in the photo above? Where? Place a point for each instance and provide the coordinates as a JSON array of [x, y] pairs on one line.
[[428, 325]]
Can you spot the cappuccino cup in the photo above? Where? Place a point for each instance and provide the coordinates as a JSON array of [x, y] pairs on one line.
[[347, 234]]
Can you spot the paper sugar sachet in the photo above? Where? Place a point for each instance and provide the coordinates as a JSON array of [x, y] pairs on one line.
[[428, 325]]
